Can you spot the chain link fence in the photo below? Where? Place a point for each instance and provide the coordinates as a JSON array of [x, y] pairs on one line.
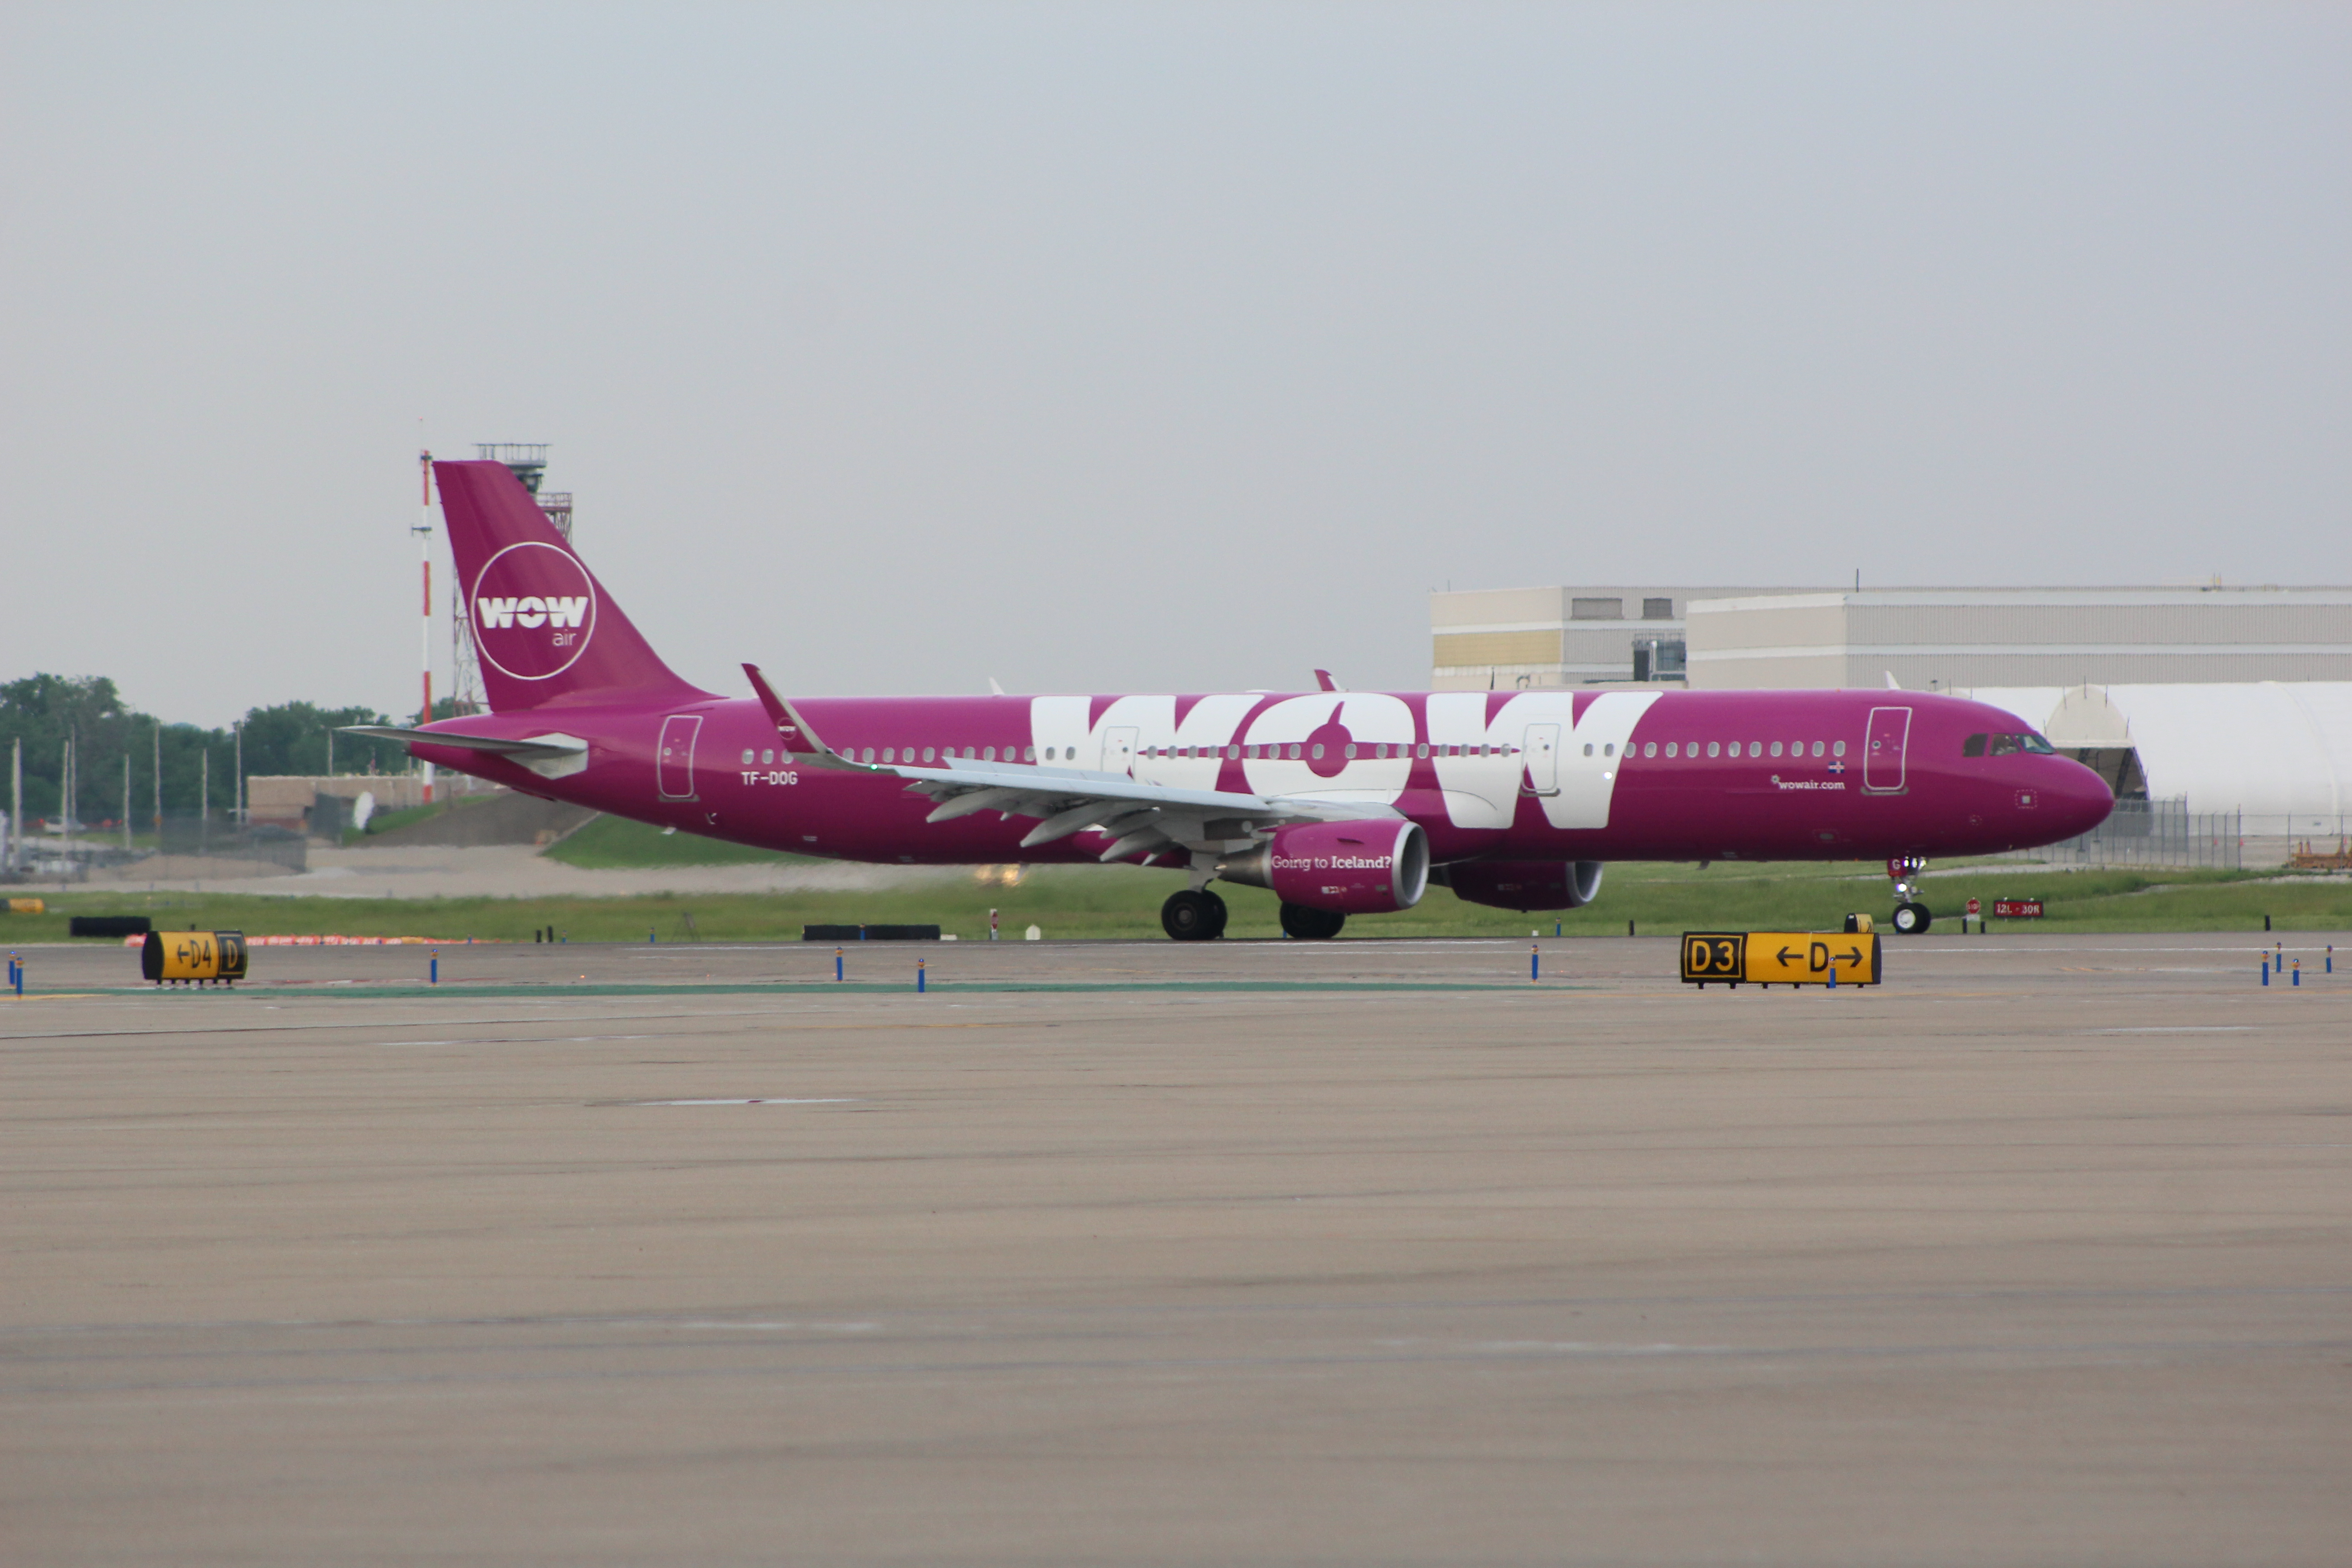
[[215, 838], [2151, 833]]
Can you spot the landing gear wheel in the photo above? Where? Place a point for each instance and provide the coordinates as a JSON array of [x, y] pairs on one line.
[[1217, 913], [1193, 916], [1912, 918], [1310, 925]]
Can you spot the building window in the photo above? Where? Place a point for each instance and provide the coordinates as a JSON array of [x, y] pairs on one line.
[[1596, 609], [1657, 609]]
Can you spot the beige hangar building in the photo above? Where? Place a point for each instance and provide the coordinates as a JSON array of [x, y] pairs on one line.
[[2234, 699], [1928, 639]]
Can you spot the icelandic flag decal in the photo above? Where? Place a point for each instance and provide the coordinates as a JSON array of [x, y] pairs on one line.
[[1837, 767]]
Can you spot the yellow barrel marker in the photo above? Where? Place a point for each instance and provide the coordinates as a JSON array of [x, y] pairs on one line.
[[193, 957]]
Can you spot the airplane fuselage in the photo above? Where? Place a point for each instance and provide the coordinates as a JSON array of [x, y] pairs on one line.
[[1556, 775]]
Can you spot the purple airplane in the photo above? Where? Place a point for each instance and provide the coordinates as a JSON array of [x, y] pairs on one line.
[[1341, 802]]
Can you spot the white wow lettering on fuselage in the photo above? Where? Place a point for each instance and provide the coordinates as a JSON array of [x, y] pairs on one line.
[[530, 610], [1360, 747]]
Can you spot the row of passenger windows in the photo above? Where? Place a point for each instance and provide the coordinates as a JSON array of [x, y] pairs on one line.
[[1719, 748], [933, 753], [1296, 751]]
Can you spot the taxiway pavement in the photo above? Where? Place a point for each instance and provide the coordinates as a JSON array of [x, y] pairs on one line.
[[1358, 1252]]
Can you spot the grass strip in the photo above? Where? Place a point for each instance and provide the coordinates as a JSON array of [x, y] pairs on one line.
[[1068, 902]]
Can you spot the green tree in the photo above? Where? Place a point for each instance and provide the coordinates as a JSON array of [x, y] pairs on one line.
[[43, 712], [292, 738], [46, 711]]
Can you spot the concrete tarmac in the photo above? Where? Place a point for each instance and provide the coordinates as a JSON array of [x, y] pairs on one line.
[[1358, 1252]]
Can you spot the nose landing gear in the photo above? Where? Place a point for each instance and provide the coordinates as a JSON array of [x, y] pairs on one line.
[[1911, 916]]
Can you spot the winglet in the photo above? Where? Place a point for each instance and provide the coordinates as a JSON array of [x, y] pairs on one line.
[[1891, 684], [791, 728], [1323, 678]]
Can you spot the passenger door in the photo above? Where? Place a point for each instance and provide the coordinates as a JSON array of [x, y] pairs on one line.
[[1882, 753], [674, 761], [1543, 759]]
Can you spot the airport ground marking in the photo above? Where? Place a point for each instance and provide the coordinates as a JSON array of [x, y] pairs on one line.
[[463, 991]]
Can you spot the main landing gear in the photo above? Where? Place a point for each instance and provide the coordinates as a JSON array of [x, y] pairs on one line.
[[1911, 916], [1311, 925], [1195, 914]]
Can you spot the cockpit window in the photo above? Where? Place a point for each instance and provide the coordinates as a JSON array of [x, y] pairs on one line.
[[1973, 746], [2008, 745]]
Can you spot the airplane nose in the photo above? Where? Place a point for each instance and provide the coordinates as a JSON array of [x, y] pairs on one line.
[[2081, 797]]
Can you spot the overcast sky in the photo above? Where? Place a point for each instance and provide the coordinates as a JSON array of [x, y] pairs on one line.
[[1103, 348]]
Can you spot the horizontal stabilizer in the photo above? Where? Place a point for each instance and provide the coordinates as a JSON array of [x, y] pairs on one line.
[[496, 745]]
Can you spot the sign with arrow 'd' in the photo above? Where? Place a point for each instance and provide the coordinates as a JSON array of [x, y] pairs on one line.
[[1781, 958]]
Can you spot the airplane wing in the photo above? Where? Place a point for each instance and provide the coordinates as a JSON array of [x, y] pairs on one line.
[[1141, 818]]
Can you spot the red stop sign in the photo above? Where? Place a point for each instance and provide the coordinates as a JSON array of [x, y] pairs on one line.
[[1975, 908]]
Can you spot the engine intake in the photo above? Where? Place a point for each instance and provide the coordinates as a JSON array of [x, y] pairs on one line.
[[1370, 867], [1525, 884]]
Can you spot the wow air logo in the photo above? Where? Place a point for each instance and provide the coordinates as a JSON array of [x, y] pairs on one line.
[[534, 611]]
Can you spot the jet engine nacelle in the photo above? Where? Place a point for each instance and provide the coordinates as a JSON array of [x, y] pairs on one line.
[[1525, 884], [1370, 867]]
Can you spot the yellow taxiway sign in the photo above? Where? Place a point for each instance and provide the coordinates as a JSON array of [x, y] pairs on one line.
[[1781, 957]]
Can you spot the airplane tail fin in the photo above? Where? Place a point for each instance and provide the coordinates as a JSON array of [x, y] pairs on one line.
[[544, 629]]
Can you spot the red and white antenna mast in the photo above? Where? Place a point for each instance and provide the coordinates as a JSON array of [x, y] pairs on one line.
[[424, 532]]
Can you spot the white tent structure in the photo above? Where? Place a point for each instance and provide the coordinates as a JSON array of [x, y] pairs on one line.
[[2279, 751]]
